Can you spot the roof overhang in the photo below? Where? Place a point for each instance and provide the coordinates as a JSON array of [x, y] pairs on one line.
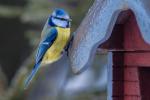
[[97, 27]]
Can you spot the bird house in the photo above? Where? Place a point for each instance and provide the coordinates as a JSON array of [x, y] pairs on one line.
[[120, 27]]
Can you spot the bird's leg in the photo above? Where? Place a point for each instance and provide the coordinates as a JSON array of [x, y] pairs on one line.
[[69, 44]]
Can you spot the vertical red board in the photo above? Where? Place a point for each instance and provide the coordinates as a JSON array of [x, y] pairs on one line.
[[130, 52], [145, 83]]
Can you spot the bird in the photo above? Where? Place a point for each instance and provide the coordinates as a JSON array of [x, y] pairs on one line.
[[55, 38]]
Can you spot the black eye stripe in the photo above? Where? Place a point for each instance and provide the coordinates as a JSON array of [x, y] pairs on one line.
[[60, 18]]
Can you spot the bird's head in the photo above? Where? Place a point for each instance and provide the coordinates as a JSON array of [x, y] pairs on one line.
[[60, 18]]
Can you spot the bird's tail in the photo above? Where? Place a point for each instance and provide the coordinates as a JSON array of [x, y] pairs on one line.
[[31, 76]]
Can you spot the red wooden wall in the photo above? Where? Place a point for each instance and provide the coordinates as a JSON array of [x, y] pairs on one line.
[[131, 60]]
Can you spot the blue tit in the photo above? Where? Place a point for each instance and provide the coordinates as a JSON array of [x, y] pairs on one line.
[[55, 37]]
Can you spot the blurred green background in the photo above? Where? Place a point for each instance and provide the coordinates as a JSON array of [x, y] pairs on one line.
[[21, 22]]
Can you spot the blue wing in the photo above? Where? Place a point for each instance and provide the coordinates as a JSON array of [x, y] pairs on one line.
[[44, 45]]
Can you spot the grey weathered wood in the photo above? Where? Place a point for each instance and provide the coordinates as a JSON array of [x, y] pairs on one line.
[[97, 27]]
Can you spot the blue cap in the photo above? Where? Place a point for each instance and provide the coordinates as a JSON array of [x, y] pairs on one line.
[[60, 13]]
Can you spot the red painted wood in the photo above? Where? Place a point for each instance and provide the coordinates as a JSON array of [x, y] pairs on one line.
[[126, 73], [137, 59], [130, 52], [117, 98], [131, 98], [118, 73], [116, 39], [118, 88], [131, 88], [145, 82], [118, 59], [132, 36], [126, 36], [130, 59], [131, 74]]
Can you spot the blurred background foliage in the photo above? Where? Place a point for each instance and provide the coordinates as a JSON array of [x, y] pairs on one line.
[[21, 22]]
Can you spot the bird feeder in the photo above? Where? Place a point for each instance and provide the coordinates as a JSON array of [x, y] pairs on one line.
[[120, 27]]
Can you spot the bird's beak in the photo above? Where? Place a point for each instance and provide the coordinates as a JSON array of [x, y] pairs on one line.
[[69, 20]]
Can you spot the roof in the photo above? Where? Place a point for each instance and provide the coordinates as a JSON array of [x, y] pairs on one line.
[[97, 27]]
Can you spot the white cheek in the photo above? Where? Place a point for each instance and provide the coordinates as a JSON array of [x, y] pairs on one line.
[[60, 22]]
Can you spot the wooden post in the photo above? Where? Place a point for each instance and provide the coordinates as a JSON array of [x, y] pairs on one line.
[[130, 52]]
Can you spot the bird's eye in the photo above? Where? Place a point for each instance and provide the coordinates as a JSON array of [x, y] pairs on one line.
[[60, 18]]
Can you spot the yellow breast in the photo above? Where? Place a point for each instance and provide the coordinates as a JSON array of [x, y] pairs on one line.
[[54, 52]]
